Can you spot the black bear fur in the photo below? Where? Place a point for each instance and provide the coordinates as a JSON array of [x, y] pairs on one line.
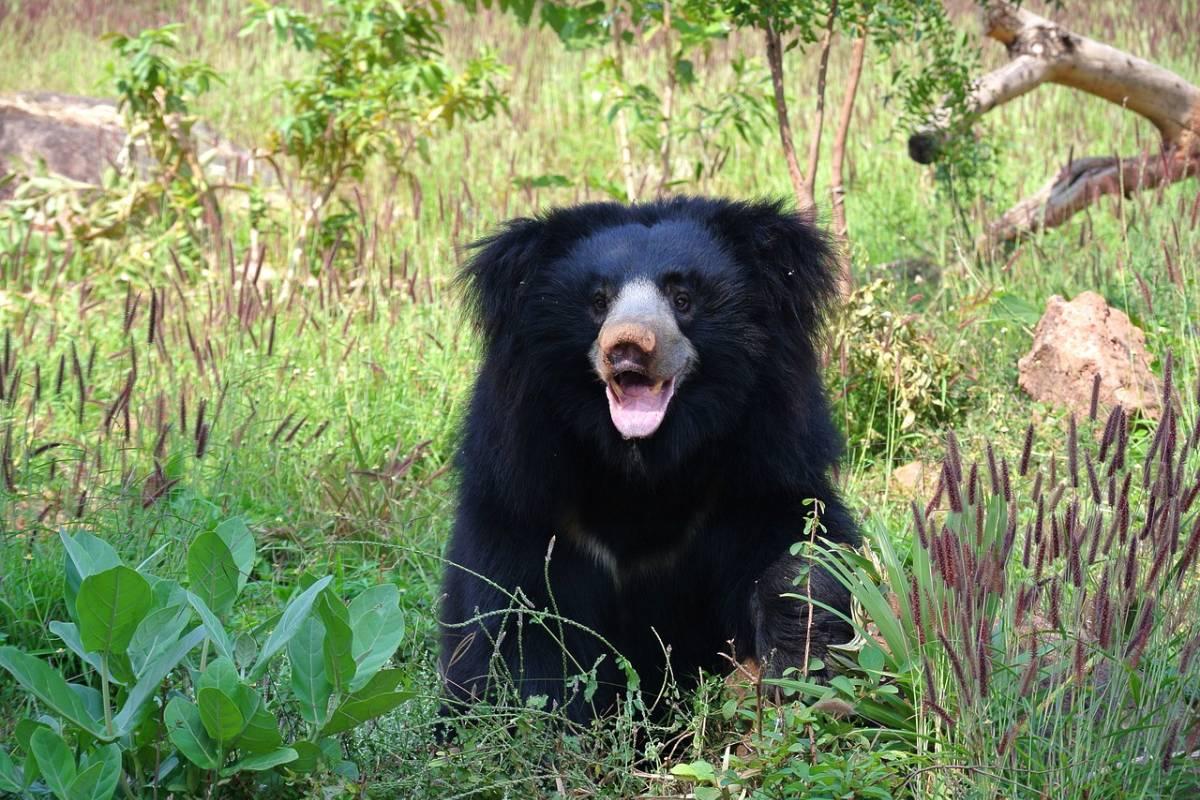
[[677, 542]]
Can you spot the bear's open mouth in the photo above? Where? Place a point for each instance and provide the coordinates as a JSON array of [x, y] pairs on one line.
[[637, 403]]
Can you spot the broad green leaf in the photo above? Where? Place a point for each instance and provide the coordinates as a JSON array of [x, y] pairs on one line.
[[212, 572], [296, 612], [54, 760], [152, 677], [248, 701], [244, 650], [378, 627], [376, 698], [220, 715], [49, 687], [308, 756], [262, 761], [261, 734], [85, 555], [98, 780], [186, 731], [22, 733], [310, 684], [69, 633], [110, 606], [167, 592], [237, 537], [697, 771], [10, 778], [158, 631], [338, 645], [216, 631], [871, 658], [91, 698], [220, 674]]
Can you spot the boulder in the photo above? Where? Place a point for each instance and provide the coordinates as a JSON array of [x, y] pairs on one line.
[[1077, 340], [915, 479], [77, 137], [80, 137]]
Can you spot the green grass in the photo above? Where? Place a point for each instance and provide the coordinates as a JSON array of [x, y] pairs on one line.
[[335, 441]]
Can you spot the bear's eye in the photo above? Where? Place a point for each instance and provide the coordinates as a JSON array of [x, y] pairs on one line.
[[683, 302], [600, 302]]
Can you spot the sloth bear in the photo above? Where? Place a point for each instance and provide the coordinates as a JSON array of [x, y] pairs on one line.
[[647, 432]]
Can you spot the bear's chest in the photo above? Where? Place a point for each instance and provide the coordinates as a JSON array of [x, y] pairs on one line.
[[629, 545]]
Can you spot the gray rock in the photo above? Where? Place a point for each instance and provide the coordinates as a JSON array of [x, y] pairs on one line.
[[80, 137]]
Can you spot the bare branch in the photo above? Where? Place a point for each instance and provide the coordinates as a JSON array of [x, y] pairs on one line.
[[1042, 51], [664, 146], [1156, 93], [804, 197], [837, 189], [814, 145], [1083, 182]]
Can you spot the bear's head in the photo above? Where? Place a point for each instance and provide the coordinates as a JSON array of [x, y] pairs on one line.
[[650, 331]]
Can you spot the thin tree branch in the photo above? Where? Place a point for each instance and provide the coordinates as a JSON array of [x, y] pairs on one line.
[[837, 189], [622, 123], [664, 146], [804, 197], [814, 145], [1042, 51]]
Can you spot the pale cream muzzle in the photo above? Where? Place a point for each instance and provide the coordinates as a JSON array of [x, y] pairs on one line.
[[642, 356]]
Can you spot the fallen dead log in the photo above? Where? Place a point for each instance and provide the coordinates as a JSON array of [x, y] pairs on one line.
[[1042, 51]]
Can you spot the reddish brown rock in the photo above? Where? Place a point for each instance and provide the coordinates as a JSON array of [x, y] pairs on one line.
[[1075, 341]]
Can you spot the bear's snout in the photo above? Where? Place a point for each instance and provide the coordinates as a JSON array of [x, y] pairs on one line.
[[628, 347]]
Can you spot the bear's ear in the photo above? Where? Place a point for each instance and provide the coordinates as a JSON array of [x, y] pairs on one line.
[[495, 275], [788, 255]]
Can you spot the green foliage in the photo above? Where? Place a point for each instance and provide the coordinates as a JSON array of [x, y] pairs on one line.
[[157, 94], [894, 376], [139, 634], [378, 85]]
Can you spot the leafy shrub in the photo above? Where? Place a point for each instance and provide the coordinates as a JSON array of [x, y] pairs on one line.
[[892, 376], [378, 86], [179, 706]]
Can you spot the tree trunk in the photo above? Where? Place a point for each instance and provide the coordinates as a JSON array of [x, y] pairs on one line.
[[1043, 51], [804, 197], [622, 123], [814, 145], [664, 146], [836, 188]]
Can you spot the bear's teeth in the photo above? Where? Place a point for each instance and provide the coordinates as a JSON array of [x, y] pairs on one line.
[[616, 389], [656, 388]]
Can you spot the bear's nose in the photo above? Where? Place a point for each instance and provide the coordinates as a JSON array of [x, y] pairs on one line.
[[628, 345], [628, 355]]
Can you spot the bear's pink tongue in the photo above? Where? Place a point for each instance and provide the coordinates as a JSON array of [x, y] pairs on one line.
[[640, 410]]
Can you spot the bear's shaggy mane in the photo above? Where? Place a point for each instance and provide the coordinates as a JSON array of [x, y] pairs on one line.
[[687, 531]]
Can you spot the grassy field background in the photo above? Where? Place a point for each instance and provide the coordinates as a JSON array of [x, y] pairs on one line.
[[323, 409]]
